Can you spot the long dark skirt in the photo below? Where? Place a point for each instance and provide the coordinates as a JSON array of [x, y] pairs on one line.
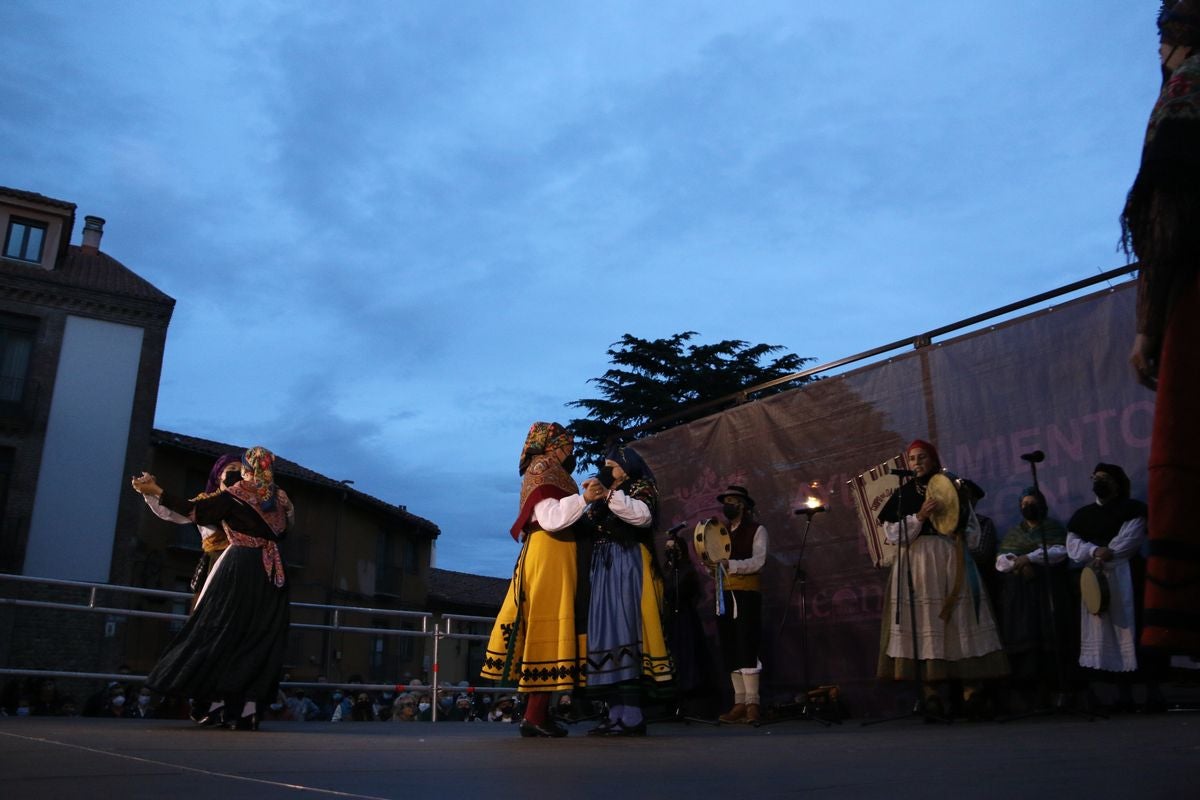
[[1031, 635], [232, 646]]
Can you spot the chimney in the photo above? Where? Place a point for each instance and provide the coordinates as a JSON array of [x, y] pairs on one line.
[[93, 229]]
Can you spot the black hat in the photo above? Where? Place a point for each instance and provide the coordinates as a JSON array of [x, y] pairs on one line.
[[736, 491], [1117, 474]]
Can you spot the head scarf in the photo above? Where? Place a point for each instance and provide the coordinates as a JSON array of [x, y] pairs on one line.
[[1179, 23], [214, 484], [629, 461], [1160, 224], [260, 462], [543, 437], [921, 444], [542, 477]]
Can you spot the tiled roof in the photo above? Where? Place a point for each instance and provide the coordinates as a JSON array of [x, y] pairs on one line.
[[290, 469], [34, 197], [463, 588], [95, 272]]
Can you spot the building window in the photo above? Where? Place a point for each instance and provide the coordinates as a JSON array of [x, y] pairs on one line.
[[412, 558], [16, 348], [388, 576], [24, 240]]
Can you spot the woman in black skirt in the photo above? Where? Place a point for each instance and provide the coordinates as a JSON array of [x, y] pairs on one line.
[[228, 656]]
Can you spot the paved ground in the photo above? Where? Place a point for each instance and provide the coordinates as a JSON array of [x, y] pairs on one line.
[[1064, 757]]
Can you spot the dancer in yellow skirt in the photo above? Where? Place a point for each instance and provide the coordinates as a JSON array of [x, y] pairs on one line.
[[534, 642]]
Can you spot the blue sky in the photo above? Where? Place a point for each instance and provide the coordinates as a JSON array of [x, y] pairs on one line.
[[399, 232]]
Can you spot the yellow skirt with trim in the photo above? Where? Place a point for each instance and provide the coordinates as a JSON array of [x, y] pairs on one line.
[[533, 643]]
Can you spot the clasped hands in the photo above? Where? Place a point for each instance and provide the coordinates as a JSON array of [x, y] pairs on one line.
[[146, 484]]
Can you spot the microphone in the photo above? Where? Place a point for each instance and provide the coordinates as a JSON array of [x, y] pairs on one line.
[[810, 510], [1036, 457], [903, 473], [677, 529]]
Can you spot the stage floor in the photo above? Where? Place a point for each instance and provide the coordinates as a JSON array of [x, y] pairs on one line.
[[1132, 756]]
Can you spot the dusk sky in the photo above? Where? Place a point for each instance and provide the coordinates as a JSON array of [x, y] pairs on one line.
[[399, 232]]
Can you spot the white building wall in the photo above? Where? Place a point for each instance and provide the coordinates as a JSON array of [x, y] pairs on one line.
[[74, 514]]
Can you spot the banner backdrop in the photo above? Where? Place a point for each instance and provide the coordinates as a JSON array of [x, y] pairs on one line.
[[1057, 380]]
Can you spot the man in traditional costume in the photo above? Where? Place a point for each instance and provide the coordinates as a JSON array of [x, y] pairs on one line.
[[1032, 564], [1107, 535], [739, 628], [1161, 223], [627, 656], [534, 641], [956, 635]]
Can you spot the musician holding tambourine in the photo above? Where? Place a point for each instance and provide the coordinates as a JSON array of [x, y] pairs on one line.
[[1106, 538], [955, 632], [735, 551]]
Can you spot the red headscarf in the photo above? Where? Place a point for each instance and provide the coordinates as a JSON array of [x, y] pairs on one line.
[[921, 444]]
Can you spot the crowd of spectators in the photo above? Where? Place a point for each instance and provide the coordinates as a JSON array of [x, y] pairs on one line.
[[411, 702]]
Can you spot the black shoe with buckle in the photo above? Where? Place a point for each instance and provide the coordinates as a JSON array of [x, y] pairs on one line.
[[603, 728], [621, 729]]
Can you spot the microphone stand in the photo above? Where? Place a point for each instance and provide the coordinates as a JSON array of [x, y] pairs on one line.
[[674, 553], [801, 578], [904, 563], [1058, 704]]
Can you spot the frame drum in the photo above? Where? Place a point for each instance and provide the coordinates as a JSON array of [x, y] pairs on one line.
[[1093, 589], [948, 517], [711, 541]]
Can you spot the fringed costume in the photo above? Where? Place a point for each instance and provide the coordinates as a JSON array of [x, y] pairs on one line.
[[1162, 227], [230, 651]]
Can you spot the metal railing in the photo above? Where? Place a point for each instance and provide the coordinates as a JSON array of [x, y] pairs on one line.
[[431, 628]]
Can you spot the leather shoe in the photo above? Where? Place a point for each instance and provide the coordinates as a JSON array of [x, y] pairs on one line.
[[603, 728], [619, 728], [208, 719], [547, 730], [246, 723], [752, 715], [735, 714]]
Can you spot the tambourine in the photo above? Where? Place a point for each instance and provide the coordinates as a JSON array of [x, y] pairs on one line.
[[949, 517], [1093, 589], [711, 541]]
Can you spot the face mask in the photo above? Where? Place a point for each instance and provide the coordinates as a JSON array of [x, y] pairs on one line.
[[231, 478], [422, 707], [568, 463], [1031, 513], [1103, 490], [119, 700], [605, 476], [276, 706], [730, 510], [143, 700]]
